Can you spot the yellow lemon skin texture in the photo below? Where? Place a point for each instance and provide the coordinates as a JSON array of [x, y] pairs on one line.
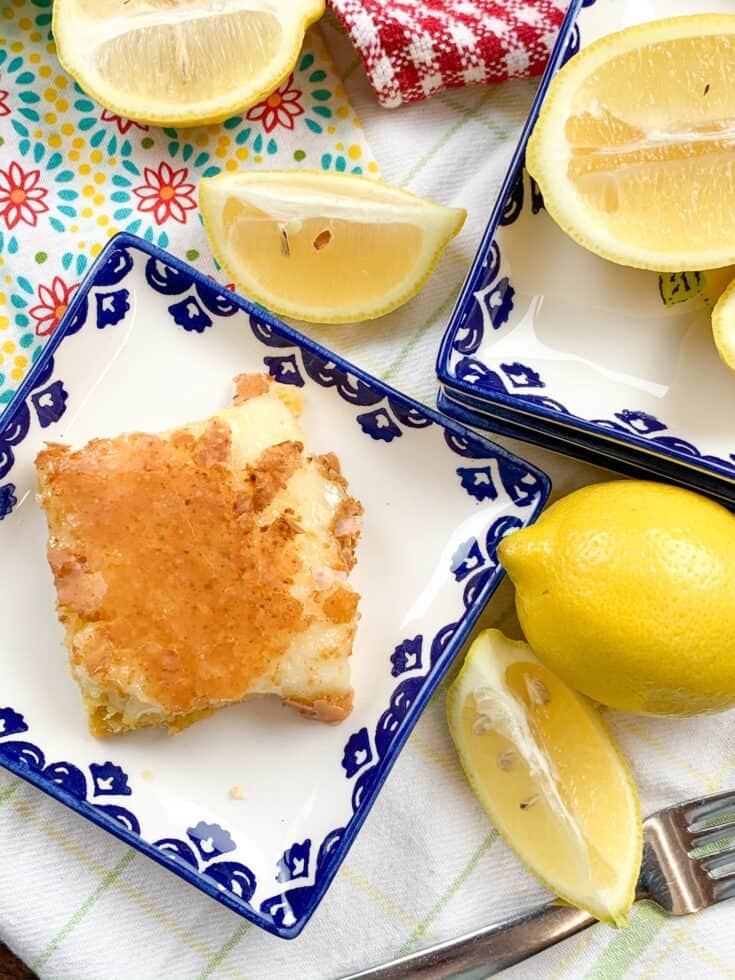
[[626, 590]]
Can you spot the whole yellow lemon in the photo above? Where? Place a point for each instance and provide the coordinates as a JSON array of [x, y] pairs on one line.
[[627, 591]]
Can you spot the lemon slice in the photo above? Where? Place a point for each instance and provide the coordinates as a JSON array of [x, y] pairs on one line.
[[549, 775], [634, 144], [329, 248], [180, 62], [723, 325]]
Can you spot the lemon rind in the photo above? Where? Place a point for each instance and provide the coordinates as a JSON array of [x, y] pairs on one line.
[[723, 326]]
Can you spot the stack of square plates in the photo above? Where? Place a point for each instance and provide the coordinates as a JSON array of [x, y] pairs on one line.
[[555, 346]]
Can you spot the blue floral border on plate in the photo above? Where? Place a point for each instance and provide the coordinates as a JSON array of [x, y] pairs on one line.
[[618, 458], [204, 853], [518, 387]]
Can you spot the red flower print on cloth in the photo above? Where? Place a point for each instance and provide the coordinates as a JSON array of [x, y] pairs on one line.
[[21, 199], [123, 125], [4, 107], [54, 300], [279, 109], [166, 194]]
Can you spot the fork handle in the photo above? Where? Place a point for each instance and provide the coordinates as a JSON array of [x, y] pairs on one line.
[[487, 951]]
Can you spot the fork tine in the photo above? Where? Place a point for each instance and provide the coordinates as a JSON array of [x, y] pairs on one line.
[[724, 861], [713, 834], [723, 888], [699, 810]]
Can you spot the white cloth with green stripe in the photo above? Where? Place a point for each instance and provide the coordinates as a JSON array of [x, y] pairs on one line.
[[78, 905]]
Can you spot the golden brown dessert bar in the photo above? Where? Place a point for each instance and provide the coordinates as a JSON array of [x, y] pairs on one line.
[[205, 565]]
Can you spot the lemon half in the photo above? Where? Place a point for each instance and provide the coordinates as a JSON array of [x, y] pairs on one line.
[[180, 62], [549, 776], [633, 147], [324, 247]]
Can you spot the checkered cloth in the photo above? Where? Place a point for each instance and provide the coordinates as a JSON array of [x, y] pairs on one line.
[[414, 48]]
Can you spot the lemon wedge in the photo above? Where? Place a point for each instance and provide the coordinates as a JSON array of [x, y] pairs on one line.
[[180, 62], [633, 147], [723, 326], [549, 776], [324, 247]]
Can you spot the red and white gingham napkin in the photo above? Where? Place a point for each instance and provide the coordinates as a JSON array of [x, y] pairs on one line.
[[414, 48]]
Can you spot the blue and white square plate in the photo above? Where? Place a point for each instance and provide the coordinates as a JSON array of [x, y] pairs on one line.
[[559, 339], [575, 444], [149, 343]]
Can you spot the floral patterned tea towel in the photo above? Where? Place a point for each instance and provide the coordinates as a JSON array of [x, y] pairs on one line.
[[73, 174]]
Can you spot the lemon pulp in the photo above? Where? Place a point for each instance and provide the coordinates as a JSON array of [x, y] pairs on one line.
[[182, 56], [286, 258]]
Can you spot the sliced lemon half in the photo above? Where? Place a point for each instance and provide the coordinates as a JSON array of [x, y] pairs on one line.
[[634, 144], [549, 776], [180, 62], [723, 326], [324, 247]]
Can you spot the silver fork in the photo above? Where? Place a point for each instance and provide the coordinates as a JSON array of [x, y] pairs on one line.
[[676, 879]]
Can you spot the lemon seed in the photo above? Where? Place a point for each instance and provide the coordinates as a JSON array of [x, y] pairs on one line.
[[538, 691], [322, 239], [481, 725]]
